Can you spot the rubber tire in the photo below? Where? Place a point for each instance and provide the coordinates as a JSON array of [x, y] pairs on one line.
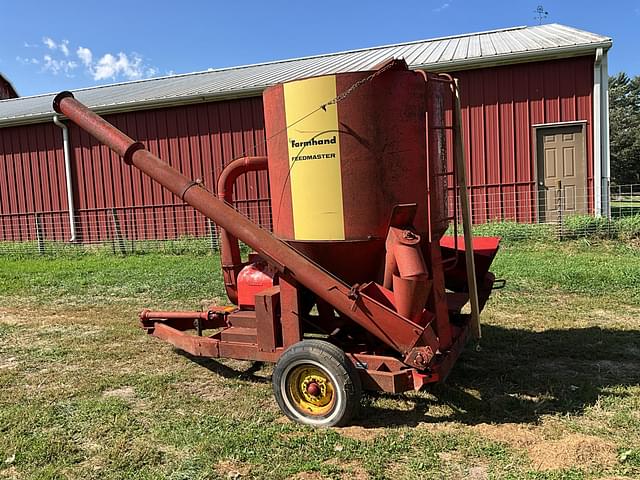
[[336, 365]]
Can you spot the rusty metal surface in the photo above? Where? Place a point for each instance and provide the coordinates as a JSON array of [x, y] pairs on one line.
[[253, 279], [242, 318], [390, 382], [229, 248], [197, 346], [406, 337], [406, 273], [290, 311], [150, 314], [267, 319], [382, 162]]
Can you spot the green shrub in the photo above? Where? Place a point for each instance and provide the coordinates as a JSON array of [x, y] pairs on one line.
[[586, 226], [628, 228], [513, 231]]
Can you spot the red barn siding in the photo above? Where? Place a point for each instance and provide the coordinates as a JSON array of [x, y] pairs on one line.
[[499, 107], [197, 139]]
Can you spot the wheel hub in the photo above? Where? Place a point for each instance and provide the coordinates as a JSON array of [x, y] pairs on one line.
[[311, 390]]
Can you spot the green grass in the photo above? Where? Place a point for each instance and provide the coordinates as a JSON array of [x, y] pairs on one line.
[[594, 269], [630, 202], [111, 279], [553, 394]]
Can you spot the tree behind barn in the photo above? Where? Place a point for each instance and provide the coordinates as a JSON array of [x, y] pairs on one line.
[[624, 114]]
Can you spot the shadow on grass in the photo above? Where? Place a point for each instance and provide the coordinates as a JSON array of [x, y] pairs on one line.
[[520, 375], [225, 371]]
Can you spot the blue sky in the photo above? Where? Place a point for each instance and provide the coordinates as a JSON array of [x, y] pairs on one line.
[[51, 46]]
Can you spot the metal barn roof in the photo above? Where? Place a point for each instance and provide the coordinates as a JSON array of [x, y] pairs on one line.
[[459, 52]]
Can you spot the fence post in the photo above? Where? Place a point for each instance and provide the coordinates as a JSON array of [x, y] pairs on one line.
[[213, 241], [39, 234], [609, 218], [560, 207], [133, 228], [118, 231]]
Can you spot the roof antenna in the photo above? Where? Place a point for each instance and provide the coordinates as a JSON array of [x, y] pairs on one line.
[[541, 14]]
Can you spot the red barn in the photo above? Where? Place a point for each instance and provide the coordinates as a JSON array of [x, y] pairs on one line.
[[6, 89], [535, 117]]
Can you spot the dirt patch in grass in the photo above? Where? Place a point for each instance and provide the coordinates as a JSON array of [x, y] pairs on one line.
[[453, 463], [362, 434], [9, 364], [616, 478], [478, 472], [570, 451], [575, 450], [519, 436], [349, 470], [47, 315], [125, 393], [308, 476], [9, 473], [208, 390], [232, 469], [12, 318], [352, 470]]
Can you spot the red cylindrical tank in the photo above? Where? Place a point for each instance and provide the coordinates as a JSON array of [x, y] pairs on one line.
[[253, 279], [341, 158]]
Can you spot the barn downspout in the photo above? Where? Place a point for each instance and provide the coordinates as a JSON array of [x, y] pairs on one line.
[[601, 160], [67, 174], [606, 160]]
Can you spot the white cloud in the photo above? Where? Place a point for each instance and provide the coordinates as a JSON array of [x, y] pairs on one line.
[[85, 55], [27, 61], [55, 66], [49, 43], [127, 66], [130, 67], [64, 47], [442, 7]]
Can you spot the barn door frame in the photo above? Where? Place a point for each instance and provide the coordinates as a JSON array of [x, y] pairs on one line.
[[540, 200]]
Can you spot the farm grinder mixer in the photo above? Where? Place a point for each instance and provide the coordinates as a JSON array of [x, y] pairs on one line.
[[356, 287]]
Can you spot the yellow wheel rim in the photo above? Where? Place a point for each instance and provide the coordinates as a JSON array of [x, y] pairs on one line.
[[311, 390]]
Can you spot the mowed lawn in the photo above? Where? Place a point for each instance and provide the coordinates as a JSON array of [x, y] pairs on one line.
[[553, 393]]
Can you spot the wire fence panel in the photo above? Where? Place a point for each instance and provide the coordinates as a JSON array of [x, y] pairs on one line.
[[511, 213]]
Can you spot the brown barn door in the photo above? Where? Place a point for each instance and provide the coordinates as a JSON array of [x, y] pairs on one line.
[[562, 171]]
